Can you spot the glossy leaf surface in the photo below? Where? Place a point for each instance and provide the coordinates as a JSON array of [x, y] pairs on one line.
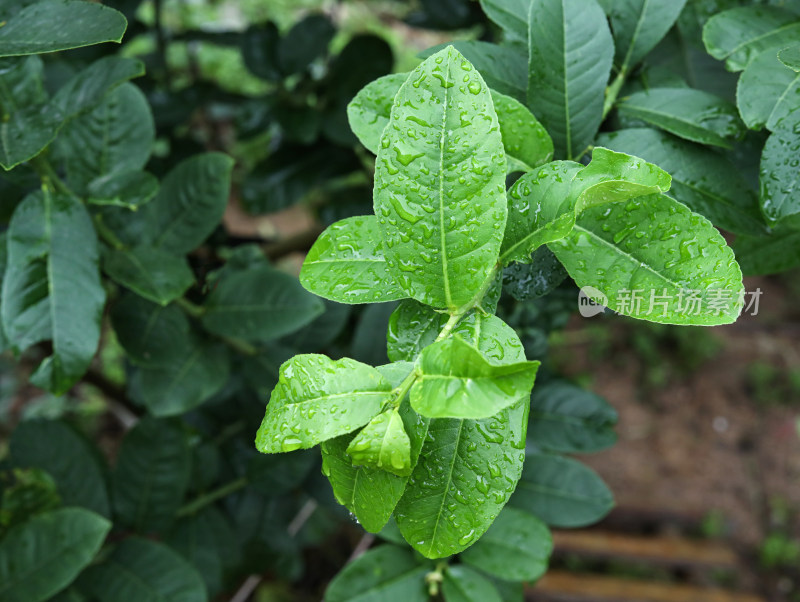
[[317, 399], [526, 142], [768, 92], [368, 113], [649, 264], [780, 176], [383, 444], [462, 584], [571, 54], [705, 181], [457, 381], [439, 193], [347, 264]]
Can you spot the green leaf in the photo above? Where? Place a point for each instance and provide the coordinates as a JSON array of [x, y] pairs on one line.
[[568, 419], [43, 555], [368, 113], [441, 207], [317, 399], [129, 189], [54, 25], [347, 264], [115, 137], [3, 262], [207, 541], [571, 54], [29, 124], [150, 272], [561, 491], [412, 327], [371, 494], [462, 584], [151, 476], [543, 205], [190, 203], [543, 274], [182, 381], [705, 181], [639, 25], [383, 573], [516, 547], [145, 571], [510, 15], [260, 51], [691, 114], [780, 176], [524, 139], [149, 333], [738, 35], [790, 57], [52, 289], [259, 304], [455, 380], [467, 468], [87, 88], [66, 456], [655, 260], [767, 92], [769, 254], [384, 444], [503, 67]]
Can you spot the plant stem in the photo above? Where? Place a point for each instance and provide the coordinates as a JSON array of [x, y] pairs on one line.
[[212, 496], [49, 176], [107, 234], [613, 91], [194, 310]]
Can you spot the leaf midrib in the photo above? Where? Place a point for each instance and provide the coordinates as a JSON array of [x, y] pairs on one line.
[[442, 234]]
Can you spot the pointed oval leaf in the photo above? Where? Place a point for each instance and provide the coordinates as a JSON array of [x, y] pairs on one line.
[[440, 193], [738, 35], [455, 491], [561, 491], [383, 573], [516, 547], [525, 140], [780, 176], [455, 380], [571, 54], [462, 584], [259, 304], [44, 554], [705, 181], [770, 254], [145, 571], [67, 457], [149, 333], [52, 290], [768, 92], [412, 327], [383, 444], [510, 15], [568, 419], [543, 205], [347, 264], [317, 399], [151, 476], [368, 113], [129, 189], [154, 274], [55, 25], [639, 25], [653, 259], [691, 114]]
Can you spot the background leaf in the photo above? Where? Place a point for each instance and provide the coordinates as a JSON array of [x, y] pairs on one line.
[[150, 272], [768, 92], [780, 176], [462, 584]]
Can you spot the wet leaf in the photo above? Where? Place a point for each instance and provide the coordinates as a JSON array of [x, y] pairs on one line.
[[526, 142], [780, 176], [691, 114], [317, 399], [347, 264], [383, 444], [457, 381], [705, 181], [768, 92], [368, 113], [439, 191], [653, 259], [738, 35], [571, 54], [543, 205], [769, 254], [790, 57], [412, 327], [462, 584]]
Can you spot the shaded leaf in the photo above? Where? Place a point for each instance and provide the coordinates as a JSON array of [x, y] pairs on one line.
[[768, 93], [462, 584], [526, 142], [149, 333], [130, 189], [154, 274], [780, 176]]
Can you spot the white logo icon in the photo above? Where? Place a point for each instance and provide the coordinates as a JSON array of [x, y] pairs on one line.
[[591, 301]]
